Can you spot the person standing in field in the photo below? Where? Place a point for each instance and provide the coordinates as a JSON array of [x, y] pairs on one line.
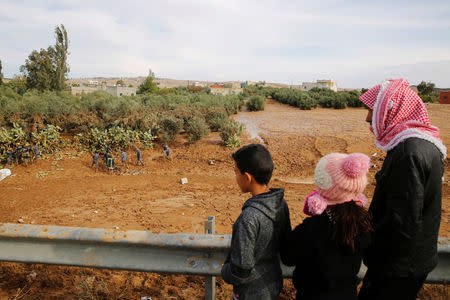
[[123, 158], [95, 159], [18, 154], [138, 157], [26, 154], [406, 205], [36, 151], [9, 156], [253, 265]]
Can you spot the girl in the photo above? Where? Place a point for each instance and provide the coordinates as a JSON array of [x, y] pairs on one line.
[[326, 249]]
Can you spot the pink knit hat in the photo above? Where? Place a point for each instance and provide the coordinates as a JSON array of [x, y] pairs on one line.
[[339, 178]]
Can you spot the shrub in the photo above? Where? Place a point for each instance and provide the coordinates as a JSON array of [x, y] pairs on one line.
[[230, 131], [215, 123], [256, 103], [169, 127], [326, 101], [147, 138], [307, 103], [339, 102], [233, 142], [216, 117], [116, 137], [119, 138], [429, 98], [196, 128], [49, 139], [10, 138], [352, 98], [93, 140]]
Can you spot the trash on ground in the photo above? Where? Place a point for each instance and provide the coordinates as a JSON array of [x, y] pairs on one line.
[[184, 180], [4, 173], [375, 154]]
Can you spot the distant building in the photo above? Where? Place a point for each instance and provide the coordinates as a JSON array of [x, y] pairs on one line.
[[236, 85], [220, 90], [444, 97], [201, 84], [321, 84], [113, 90]]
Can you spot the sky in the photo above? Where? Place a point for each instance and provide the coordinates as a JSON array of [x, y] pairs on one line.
[[357, 43]]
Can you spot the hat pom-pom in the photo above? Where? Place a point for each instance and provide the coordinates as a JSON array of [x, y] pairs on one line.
[[361, 200], [356, 164], [315, 204]]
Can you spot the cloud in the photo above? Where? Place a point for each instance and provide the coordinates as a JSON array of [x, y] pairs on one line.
[[355, 42]]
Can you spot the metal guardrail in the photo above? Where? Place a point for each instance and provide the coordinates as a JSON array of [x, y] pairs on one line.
[[196, 254]]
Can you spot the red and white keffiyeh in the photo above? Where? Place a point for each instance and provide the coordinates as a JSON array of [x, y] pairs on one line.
[[398, 114]]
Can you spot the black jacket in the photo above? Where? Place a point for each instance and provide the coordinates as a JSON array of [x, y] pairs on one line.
[[406, 210], [253, 265], [323, 269]]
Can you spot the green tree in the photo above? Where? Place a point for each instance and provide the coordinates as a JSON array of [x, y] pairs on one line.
[[60, 57], [38, 70], [148, 86], [1, 74], [425, 88], [47, 69]]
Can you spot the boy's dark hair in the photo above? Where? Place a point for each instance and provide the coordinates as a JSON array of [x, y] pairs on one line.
[[256, 160]]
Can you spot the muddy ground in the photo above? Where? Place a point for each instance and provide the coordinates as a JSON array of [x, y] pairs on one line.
[[63, 190]]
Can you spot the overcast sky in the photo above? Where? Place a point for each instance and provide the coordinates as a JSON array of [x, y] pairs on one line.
[[357, 43]]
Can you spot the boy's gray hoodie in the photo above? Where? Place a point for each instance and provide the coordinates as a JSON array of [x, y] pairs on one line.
[[253, 265]]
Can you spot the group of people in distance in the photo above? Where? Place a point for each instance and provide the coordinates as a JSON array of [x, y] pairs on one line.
[[109, 162], [22, 153], [396, 237]]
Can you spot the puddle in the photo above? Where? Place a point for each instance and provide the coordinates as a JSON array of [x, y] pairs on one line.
[[251, 128]]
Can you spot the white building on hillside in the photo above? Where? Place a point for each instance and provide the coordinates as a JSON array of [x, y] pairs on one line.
[[321, 84], [113, 90]]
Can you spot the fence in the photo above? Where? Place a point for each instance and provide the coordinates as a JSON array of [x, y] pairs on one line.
[[196, 254]]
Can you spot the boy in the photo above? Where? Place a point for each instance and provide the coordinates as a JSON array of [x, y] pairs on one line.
[[253, 265]]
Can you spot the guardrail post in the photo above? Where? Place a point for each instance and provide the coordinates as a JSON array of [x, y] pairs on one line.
[[210, 281]]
